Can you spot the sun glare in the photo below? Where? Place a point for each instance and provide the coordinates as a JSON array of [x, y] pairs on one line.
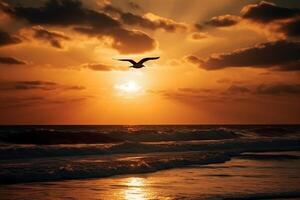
[[129, 87]]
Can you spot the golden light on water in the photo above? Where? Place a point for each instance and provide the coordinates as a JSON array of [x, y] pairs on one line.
[[135, 182], [136, 189]]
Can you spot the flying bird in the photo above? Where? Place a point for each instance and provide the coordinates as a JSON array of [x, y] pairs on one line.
[[139, 64]]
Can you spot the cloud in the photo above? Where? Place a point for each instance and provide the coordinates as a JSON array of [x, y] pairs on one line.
[[68, 100], [223, 21], [74, 87], [279, 89], [199, 36], [11, 102], [62, 12], [33, 85], [278, 21], [268, 18], [236, 92], [199, 26], [294, 66], [195, 90], [152, 21], [28, 85], [125, 41], [274, 89], [193, 59], [86, 21], [181, 92], [192, 95], [285, 20], [4, 8], [290, 28], [7, 39], [148, 20], [236, 89], [17, 102], [11, 61], [278, 54], [103, 67], [52, 37], [266, 12]]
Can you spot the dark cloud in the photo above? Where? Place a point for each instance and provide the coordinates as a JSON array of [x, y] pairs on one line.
[[33, 101], [5, 8], [192, 95], [237, 89], [11, 61], [235, 92], [277, 54], [152, 21], [132, 41], [227, 81], [149, 20], [265, 12], [278, 20], [286, 19], [291, 28], [7, 39], [274, 89], [17, 102], [28, 85], [74, 87], [279, 89], [63, 12], [132, 19], [33, 85], [125, 41], [193, 59], [68, 100], [103, 67], [199, 36], [294, 66], [223, 21], [86, 21], [54, 38], [199, 26], [195, 90]]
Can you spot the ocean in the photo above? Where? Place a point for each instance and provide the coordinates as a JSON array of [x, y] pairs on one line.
[[150, 162]]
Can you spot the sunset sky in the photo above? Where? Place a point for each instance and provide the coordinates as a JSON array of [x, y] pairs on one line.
[[221, 61]]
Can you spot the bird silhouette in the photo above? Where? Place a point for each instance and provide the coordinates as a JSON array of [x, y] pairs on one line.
[[139, 64]]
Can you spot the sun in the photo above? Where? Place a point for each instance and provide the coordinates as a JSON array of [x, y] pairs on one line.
[[128, 87]]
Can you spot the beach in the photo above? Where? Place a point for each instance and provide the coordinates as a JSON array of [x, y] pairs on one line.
[[244, 162]]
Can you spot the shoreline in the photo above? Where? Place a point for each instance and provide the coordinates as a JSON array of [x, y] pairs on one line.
[[143, 168]]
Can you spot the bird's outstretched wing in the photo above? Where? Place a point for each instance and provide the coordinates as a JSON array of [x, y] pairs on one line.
[[146, 59], [128, 60]]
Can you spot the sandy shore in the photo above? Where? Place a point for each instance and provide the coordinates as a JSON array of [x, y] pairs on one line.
[[248, 177]]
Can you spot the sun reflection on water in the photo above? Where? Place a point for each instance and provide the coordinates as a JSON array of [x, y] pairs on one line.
[[136, 182], [136, 189]]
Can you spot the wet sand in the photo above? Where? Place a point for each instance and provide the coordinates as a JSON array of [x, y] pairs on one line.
[[240, 178]]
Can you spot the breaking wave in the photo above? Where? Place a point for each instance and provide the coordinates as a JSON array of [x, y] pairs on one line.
[[60, 153]]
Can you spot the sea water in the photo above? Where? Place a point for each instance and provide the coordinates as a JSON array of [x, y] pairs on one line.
[[149, 162]]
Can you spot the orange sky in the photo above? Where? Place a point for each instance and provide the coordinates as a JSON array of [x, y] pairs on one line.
[[221, 61]]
